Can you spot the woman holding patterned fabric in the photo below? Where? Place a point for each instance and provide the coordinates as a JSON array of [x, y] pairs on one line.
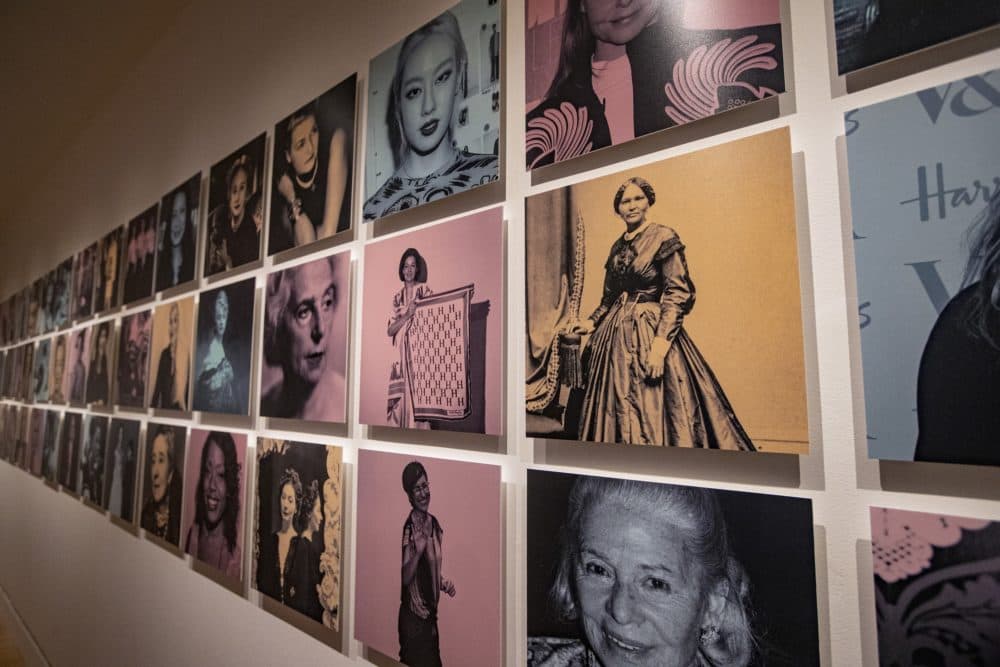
[[413, 273], [646, 382]]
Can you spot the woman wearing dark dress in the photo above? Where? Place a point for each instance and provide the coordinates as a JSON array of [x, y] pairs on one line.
[[98, 378], [233, 237], [283, 554], [161, 510]]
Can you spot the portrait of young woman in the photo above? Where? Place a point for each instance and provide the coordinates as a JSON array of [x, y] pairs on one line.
[[235, 209], [224, 348], [177, 235]]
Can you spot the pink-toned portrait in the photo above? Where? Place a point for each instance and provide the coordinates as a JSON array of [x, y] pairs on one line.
[[428, 559], [75, 378], [432, 327], [212, 518]]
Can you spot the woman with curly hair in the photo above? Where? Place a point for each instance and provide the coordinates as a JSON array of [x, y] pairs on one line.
[[213, 536]]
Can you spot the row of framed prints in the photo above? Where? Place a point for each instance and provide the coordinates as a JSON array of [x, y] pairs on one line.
[[619, 571]]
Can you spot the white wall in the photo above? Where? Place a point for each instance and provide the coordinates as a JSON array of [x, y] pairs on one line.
[[91, 593]]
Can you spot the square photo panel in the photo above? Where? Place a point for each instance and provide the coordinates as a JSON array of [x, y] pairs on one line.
[[937, 588], [619, 350], [40, 377], [603, 73], [62, 287], [133, 359], [235, 209], [213, 503], [434, 111], [50, 446], [79, 362], [91, 465], [305, 344], [924, 175], [172, 348], [58, 385], [627, 572], [9, 431], [21, 442], [438, 601], [36, 308], [70, 438], [224, 349], [177, 235], [138, 256], [163, 482], [36, 441], [84, 271], [26, 384], [299, 528], [121, 465], [311, 176], [102, 349], [433, 323], [107, 293]]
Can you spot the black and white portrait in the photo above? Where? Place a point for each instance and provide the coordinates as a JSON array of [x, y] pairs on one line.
[[120, 468], [107, 295], [433, 112], [305, 341], [138, 256], [77, 365], [641, 573], [70, 438], [57, 370], [177, 235], [83, 281], [163, 482], [40, 382], [50, 446], [62, 287], [133, 359], [235, 209], [311, 173], [224, 347], [91, 465], [170, 365], [101, 363], [36, 438]]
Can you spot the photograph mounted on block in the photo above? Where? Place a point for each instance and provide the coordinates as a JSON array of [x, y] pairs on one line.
[[170, 365], [440, 601], [298, 531], [36, 441], [50, 446], [619, 351], [432, 327], [107, 295], [163, 481], [139, 255], [79, 362], [313, 158], [434, 111], [224, 349], [62, 295], [874, 31], [601, 73], [628, 572], [177, 235], [121, 464], [58, 377], [102, 349], [84, 271], [307, 309], [40, 381], [926, 232], [133, 359], [70, 438], [91, 472], [937, 588], [235, 209], [213, 503]]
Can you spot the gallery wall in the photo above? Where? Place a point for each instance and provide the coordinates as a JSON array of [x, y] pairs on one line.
[[87, 589]]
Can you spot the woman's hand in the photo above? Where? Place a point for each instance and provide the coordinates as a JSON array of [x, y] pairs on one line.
[[654, 358], [582, 327], [448, 587]]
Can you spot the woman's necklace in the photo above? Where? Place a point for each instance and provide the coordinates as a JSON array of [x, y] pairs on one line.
[[307, 184]]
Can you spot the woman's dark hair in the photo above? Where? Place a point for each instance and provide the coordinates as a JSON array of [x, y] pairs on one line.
[[983, 268], [640, 183], [309, 497], [421, 276], [224, 441], [291, 476], [413, 471], [577, 45]]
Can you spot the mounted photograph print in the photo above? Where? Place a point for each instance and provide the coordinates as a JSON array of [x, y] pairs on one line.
[[313, 158], [102, 338], [170, 365], [177, 235], [602, 73], [40, 383], [626, 572], [937, 588], [84, 269], [36, 441], [133, 359], [213, 503], [62, 297], [235, 209], [440, 600], [224, 349], [434, 111], [432, 327], [26, 384], [50, 446], [307, 309], [21, 441], [926, 238], [79, 362], [36, 309], [121, 463], [107, 295], [618, 349], [299, 526], [138, 255], [91, 473], [70, 438], [58, 377], [163, 481], [873, 31]]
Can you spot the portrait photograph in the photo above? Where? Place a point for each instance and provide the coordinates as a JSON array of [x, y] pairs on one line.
[[91, 464], [212, 518], [873, 31], [313, 158], [40, 376], [36, 441], [84, 272], [619, 350], [77, 364], [434, 111], [36, 308], [177, 235], [58, 384], [600, 73], [627, 572], [170, 365], [163, 482], [107, 293], [307, 310], [224, 349], [21, 441], [62, 287], [9, 431], [925, 214], [439, 601], [299, 526], [235, 209], [101, 366], [133, 359], [432, 327], [138, 256], [121, 463], [50, 446], [937, 588], [26, 383], [70, 439]]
